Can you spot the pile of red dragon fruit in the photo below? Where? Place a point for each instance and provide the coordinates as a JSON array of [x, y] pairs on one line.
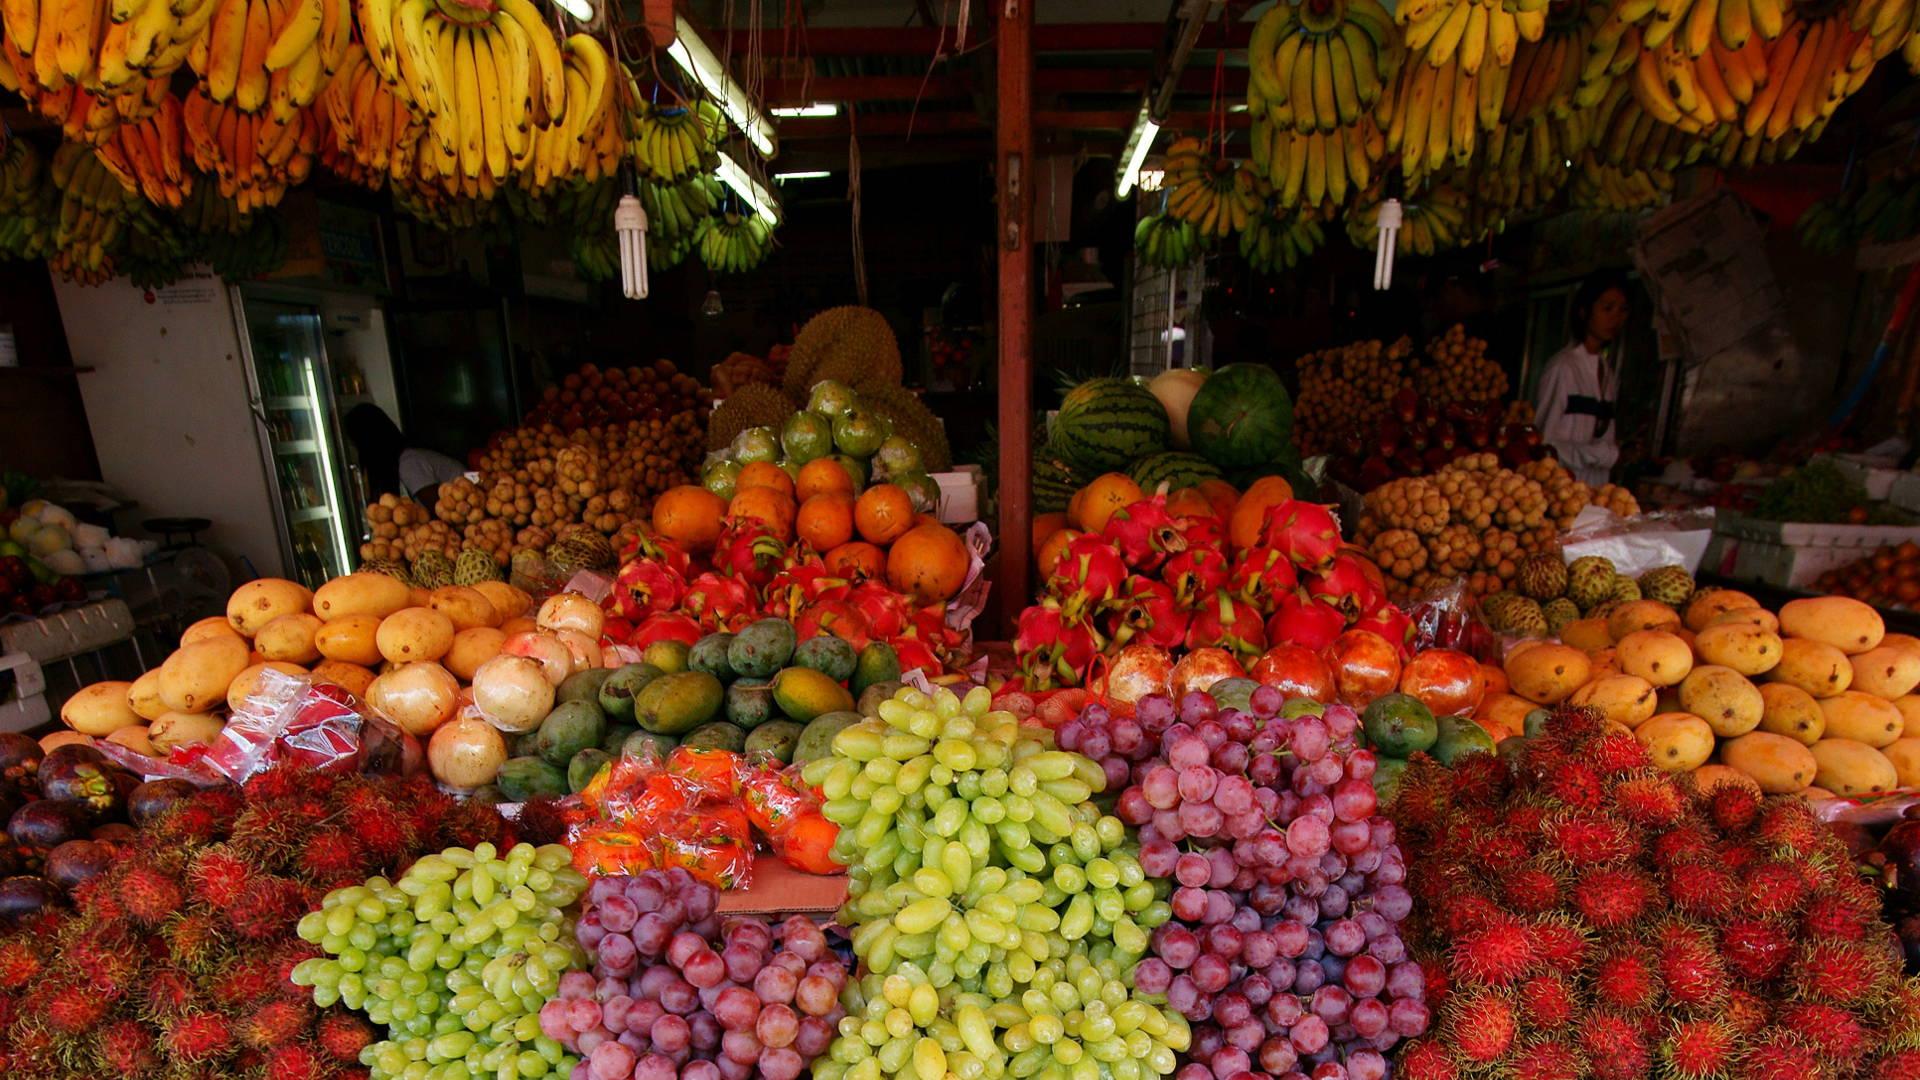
[[1175, 583], [1284, 947], [661, 592]]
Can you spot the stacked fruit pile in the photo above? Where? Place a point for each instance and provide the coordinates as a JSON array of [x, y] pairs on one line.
[[1829, 717], [996, 913], [1474, 519], [1149, 581], [869, 436], [177, 957], [67, 811], [693, 996], [1890, 577], [1553, 594], [1590, 915], [1368, 385]]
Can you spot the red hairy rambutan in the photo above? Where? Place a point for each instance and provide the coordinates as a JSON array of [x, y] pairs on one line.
[[268, 908], [1546, 1003], [1733, 807], [126, 1047], [1617, 752], [1525, 821], [1575, 785], [1690, 966], [247, 979], [1496, 851], [1679, 844], [190, 822], [194, 939], [1744, 1011], [343, 1035], [1465, 911], [380, 833], [1558, 944], [470, 824], [71, 1009], [1547, 1060], [1480, 1026], [199, 1037], [1775, 888], [106, 964], [1625, 979], [169, 992], [1479, 780], [19, 963], [1615, 1047], [1495, 953], [1426, 1060], [1778, 1057], [1697, 1049], [221, 875], [294, 1062], [1841, 972], [1899, 1065], [1786, 825], [1648, 801], [1756, 949], [1611, 898], [1843, 912], [1833, 1032], [1530, 890], [276, 783], [1587, 840], [1739, 855], [275, 1024], [332, 858], [1702, 889], [147, 894]]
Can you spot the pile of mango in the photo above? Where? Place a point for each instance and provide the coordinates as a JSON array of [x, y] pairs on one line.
[[760, 692], [1816, 698]]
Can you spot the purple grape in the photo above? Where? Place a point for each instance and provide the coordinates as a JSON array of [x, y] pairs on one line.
[[777, 1026], [1387, 948], [1152, 975], [655, 1067], [1189, 751], [1182, 994], [618, 913], [781, 1063], [1196, 706], [1199, 819], [617, 954], [1117, 770], [1278, 1056], [1407, 1017], [1133, 807], [1332, 1003], [641, 1017], [1211, 732], [1192, 869], [1231, 757], [775, 984], [815, 1035], [1210, 973], [1161, 786], [1309, 1034]]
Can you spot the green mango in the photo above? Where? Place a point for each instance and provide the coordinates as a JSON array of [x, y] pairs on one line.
[[569, 729], [648, 744], [676, 704], [816, 739], [618, 692], [718, 735], [1386, 779], [1460, 736], [709, 654], [761, 649], [877, 663], [750, 702], [1233, 693], [583, 686], [669, 656], [524, 778], [776, 739], [803, 693], [1535, 722], [586, 763], [1399, 726], [831, 656], [616, 737], [872, 696]]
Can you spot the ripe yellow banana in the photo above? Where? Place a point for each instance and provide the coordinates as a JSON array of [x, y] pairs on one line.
[[296, 34], [1326, 111], [1346, 91], [552, 78], [1447, 41], [250, 92], [1261, 47], [492, 121], [593, 58], [1473, 42], [467, 100]]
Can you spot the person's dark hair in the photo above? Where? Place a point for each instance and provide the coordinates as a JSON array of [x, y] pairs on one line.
[[378, 443], [1588, 294]]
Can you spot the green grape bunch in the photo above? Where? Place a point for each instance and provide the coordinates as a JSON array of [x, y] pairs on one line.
[[455, 959]]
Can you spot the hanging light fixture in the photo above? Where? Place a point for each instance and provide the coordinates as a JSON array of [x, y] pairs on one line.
[[1384, 245], [630, 226], [711, 307]]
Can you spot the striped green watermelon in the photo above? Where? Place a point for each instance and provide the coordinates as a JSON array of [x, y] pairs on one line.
[[1177, 470], [1054, 481], [1242, 417], [1105, 424]]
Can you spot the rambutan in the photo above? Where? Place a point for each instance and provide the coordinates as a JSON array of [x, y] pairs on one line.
[[1733, 807], [191, 823], [276, 783], [1497, 851], [470, 824], [276, 1023], [1546, 1002], [1738, 855], [1625, 979], [1480, 1026], [1614, 897], [221, 875], [1530, 890], [71, 1009], [1845, 912], [1898, 1065], [1834, 1033], [1526, 821], [1756, 949], [1677, 845], [332, 858], [1617, 752], [268, 908], [1697, 1049], [1558, 944], [1495, 953], [1842, 973], [1787, 826], [1745, 1012], [1576, 785], [1479, 780], [343, 1035], [245, 980], [1648, 801], [199, 1037], [1589, 840], [126, 1048], [1468, 910], [195, 939], [380, 833], [1547, 1059], [1690, 966], [1775, 888], [147, 894], [104, 961], [1778, 1057], [1702, 889], [169, 992], [20, 963], [296, 1061], [1426, 1060]]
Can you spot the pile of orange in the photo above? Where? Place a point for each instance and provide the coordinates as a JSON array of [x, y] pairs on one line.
[[1091, 506], [875, 534]]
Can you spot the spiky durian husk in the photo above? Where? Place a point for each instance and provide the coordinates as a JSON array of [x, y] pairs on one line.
[[753, 405], [913, 421], [852, 344]]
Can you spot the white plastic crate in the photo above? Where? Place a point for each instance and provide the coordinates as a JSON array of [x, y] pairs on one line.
[[1793, 554]]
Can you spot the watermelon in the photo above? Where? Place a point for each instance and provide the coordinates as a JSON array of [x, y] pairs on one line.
[[1104, 424], [1242, 417], [1173, 468], [1054, 481]]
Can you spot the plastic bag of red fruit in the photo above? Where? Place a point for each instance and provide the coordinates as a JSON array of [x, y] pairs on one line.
[[24, 596]]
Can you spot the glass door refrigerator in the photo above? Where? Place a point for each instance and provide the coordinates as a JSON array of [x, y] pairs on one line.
[[292, 390]]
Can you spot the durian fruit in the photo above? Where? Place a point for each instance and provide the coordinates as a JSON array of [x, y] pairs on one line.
[[753, 405], [851, 344], [914, 421]]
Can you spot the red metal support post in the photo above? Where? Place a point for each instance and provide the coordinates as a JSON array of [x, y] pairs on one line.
[[1013, 139]]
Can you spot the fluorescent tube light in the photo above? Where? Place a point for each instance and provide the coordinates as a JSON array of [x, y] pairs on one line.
[[1139, 144], [581, 10], [735, 177], [697, 60], [818, 108], [810, 174]]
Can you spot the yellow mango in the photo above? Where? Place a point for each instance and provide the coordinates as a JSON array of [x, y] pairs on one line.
[[1840, 621], [1677, 742], [1849, 768], [1778, 764], [1862, 718]]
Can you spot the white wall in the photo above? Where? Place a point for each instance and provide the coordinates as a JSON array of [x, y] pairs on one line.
[[167, 402]]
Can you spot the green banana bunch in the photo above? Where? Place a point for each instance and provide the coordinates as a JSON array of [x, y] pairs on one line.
[[1165, 242], [669, 142], [22, 171], [676, 210], [1271, 244], [258, 250], [596, 255], [732, 242], [206, 212], [667, 254]]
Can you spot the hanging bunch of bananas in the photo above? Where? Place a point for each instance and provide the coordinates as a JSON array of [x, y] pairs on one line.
[[253, 157], [588, 140], [1165, 242], [1601, 186], [1814, 66], [29, 203], [586, 212], [1627, 135], [1885, 210], [207, 212], [271, 56], [258, 249], [1316, 170], [1438, 113], [666, 256], [430, 205], [1272, 243], [1695, 23], [675, 211], [1470, 31], [156, 251], [23, 175], [668, 142], [1212, 193], [1434, 220], [1526, 161], [146, 155], [94, 214], [106, 60], [1545, 73], [733, 242], [1322, 65], [1613, 49], [368, 122]]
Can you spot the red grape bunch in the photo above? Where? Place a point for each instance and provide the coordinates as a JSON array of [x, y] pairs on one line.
[[1284, 946], [678, 993]]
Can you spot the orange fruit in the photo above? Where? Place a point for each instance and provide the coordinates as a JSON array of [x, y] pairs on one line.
[[1189, 502], [764, 474], [689, 515], [1048, 553], [883, 513], [1045, 525], [928, 562], [856, 560], [1101, 498], [771, 505], [820, 476], [1249, 519], [1222, 495], [826, 520]]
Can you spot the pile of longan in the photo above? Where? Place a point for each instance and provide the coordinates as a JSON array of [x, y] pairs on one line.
[[1458, 370], [1346, 389]]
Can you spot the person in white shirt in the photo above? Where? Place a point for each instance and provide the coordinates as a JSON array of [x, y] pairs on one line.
[[389, 463], [1573, 405]]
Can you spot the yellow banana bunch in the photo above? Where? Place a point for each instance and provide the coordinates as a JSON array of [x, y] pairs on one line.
[[730, 243], [666, 256], [1696, 23], [589, 139], [253, 158], [1470, 31], [1316, 67], [207, 212], [94, 211], [668, 142], [1212, 194], [1164, 242], [113, 51], [271, 56], [1545, 73], [1316, 171], [1612, 50], [1433, 220], [1811, 69], [29, 202], [1601, 186], [146, 156], [23, 174], [372, 132], [1439, 112], [1889, 24], [1526, 161], [1271, 243]]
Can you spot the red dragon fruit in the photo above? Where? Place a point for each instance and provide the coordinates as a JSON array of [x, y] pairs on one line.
[[1145, 533], [666, 626], [1053, 649], [719, 603], [1390, 623], [1196, 573], [802, 579], [1087, 576], [1345, 585], [832, 613], [1305, 532], [1307, 623], [645, 586], [1261, 577], [748, 550], [1201, 529], [1226, 623], [1150, 614], [887, 612], [916, 655], [648, 544]]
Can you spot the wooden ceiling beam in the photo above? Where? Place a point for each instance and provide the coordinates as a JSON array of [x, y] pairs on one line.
[[923, 40]]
